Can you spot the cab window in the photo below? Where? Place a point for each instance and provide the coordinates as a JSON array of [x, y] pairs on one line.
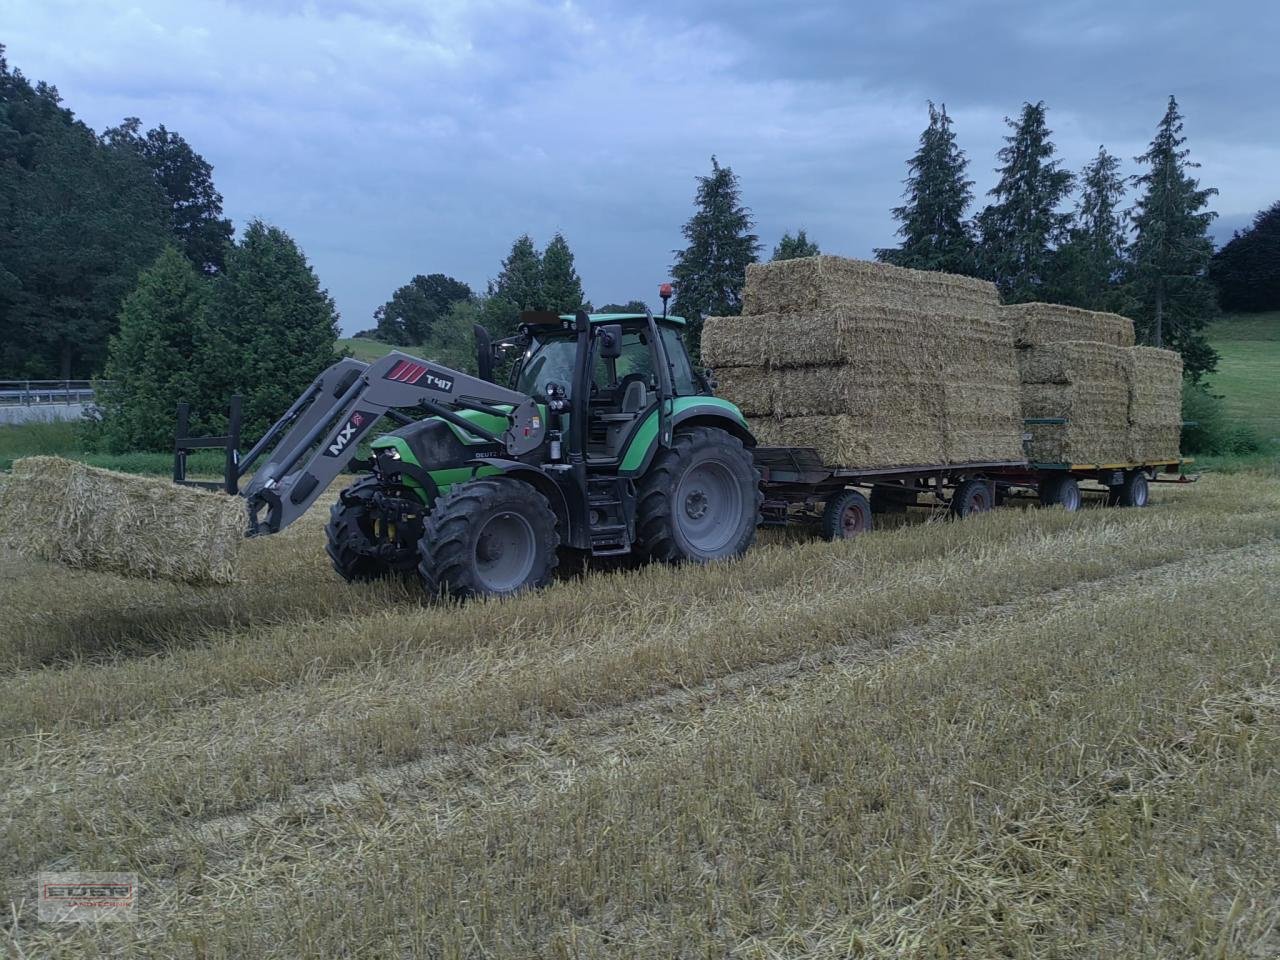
[[683, 380], [636, 357]]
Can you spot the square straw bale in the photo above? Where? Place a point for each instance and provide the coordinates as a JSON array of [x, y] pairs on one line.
[[821, 283], [63, 511], [1155, 405], [1036, 323]]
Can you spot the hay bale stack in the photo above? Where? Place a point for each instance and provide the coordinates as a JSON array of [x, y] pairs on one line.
[[1155, 405], [823, 283], [981, 401], [872, 365], [861, 387], [1039, 323], [1088, 384], [63, 511]]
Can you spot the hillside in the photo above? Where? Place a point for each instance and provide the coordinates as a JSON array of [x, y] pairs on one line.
[[366, 350], [1248, 374]]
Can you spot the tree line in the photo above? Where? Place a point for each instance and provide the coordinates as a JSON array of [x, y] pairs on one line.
[[1153, 261], [116, 259]]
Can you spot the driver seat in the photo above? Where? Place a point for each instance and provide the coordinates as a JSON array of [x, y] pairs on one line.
[[635, 398]]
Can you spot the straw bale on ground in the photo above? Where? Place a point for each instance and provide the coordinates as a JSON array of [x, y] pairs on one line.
[[1155, 406], [63, 511], [1038, 323], [823, 283]]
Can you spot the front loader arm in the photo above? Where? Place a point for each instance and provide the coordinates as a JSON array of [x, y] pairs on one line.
[[326, 422]]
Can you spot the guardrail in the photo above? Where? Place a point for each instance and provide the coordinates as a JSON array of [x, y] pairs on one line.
[[33, 393]]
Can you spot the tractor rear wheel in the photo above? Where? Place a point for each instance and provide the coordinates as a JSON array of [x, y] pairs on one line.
[[353, 529], [846, 515], [700, 499], [489, 537]]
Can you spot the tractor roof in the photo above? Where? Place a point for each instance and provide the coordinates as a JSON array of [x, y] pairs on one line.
[[622, 317]]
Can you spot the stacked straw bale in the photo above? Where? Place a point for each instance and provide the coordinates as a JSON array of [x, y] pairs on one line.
[[822, 283], [1088, 384], [871, 365], [62, 511], [1155, 405], [1037, 323]]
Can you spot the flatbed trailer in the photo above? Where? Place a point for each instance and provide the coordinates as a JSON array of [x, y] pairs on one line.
[[799, 488]]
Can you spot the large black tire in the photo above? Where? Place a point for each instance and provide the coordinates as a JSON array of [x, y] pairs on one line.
[[1134, 492], [489, 537], [350, 529], [700, 499], [847, 515], [972, 497], [887, 499], [1061, 490]]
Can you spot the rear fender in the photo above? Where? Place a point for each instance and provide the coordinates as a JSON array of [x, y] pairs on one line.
[[689, 412]]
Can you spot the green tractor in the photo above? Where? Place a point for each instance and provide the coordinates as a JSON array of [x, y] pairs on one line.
[[606, 442]]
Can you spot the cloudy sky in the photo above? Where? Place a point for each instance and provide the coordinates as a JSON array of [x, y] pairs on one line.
[[393, 137]]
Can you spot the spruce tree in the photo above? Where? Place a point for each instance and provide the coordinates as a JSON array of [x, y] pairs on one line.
[[1020, 230], [517, 287], [935, 234], [273, 326], [792, 248], [153, 359], [1090, 264], [1171, 249], [710, 272], [1247, 270], [561, 286]]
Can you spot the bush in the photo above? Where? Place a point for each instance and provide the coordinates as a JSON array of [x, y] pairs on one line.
[[1211, 430]]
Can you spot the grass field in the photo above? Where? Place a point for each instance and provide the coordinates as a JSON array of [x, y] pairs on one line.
[[366, 350], [1028, 734], [1248, 374]]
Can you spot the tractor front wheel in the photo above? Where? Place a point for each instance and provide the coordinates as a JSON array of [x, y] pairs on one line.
[[489, 537], [700, 500], [352, 533]]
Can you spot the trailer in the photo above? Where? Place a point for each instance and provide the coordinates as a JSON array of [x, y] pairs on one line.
[[842, 500]]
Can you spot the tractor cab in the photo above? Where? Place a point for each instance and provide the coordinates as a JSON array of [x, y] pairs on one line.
[[634, 362]]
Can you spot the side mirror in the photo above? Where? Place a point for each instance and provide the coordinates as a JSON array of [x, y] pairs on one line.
[[610, 341]]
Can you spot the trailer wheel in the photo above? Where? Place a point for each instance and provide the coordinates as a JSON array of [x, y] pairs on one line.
[[847, 514], [972, 497], [1134, 492], [1061, 490], [490, 537], [892, 499]]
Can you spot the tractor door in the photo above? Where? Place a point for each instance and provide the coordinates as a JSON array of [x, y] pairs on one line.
[[624, 391]]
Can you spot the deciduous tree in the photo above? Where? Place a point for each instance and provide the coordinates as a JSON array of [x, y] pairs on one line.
[[1247, 270]]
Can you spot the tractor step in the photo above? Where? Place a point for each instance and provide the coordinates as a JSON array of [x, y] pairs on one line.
[[610, 531]]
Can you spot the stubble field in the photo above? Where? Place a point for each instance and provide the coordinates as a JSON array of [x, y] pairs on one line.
[[1026, 734]]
